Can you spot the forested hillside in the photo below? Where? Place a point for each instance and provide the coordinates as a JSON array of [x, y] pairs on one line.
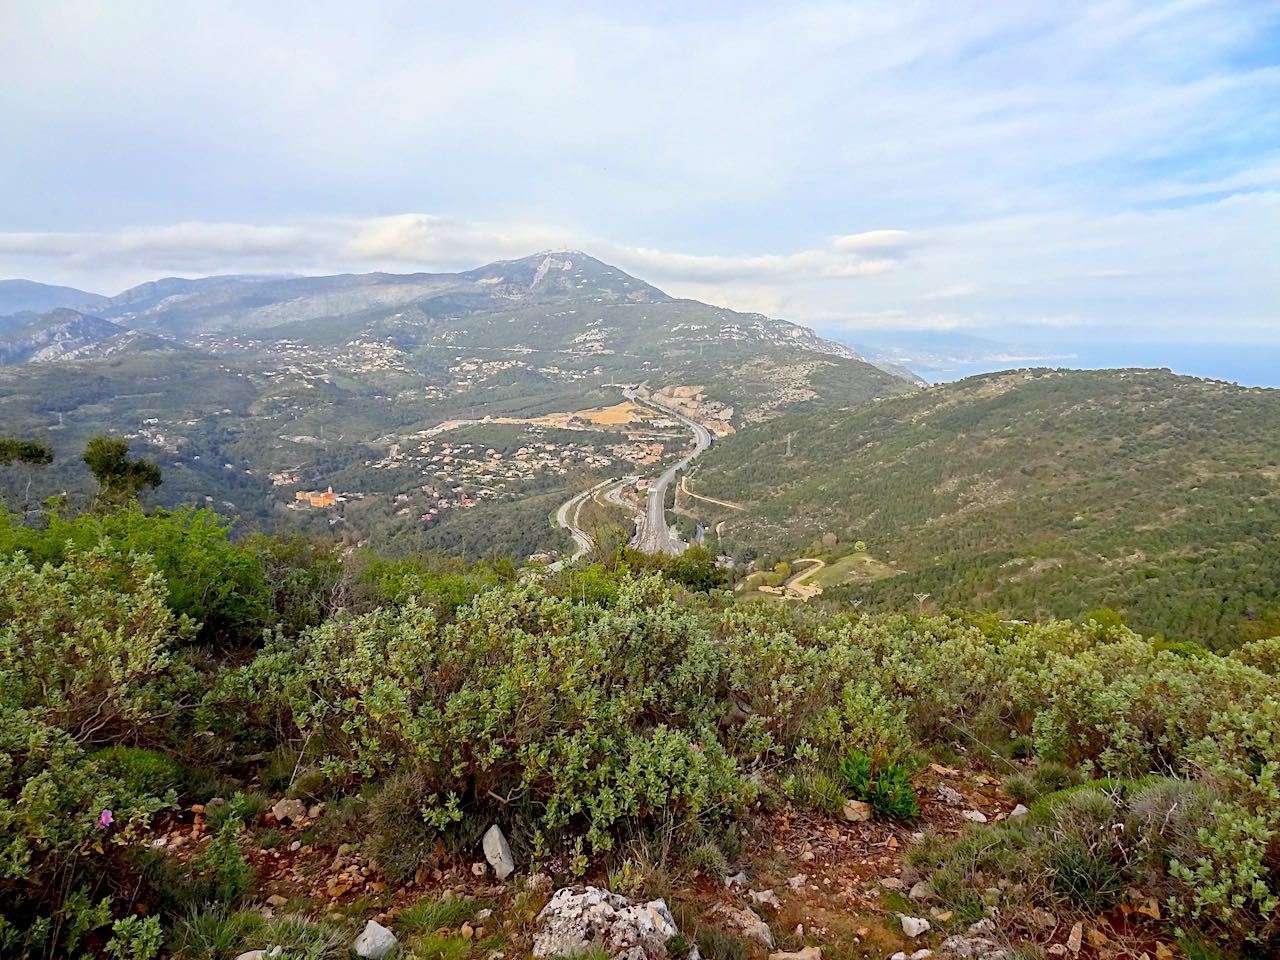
[[1036, 493]]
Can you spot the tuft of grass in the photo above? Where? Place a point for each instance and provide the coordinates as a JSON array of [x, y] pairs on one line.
[[1045, 778], [142, 771], [245, 807], [430, 916], [214, 933], [716, 944], [278, 771], [303, 939], [402, 842]]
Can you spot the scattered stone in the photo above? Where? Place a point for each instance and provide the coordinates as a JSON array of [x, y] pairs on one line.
[[1018, 811], [288, 810], [974, 816], [983, 928], [577, 918], [892, 883], [484, 915], [856, 811], [1075, 939], [808, 953], [745, 921], [374, 942], [922, 891], [949, 795], [739, 879], [538, 883], [1058, 950], [806, 857], [1043, 919], [973, 948], [467, 931], [315, 810], [498, 853], [276, 901], [914, 926], [900, 955], [766, 897], [478, 869], [253, 955], [798, 881], [924, 954]]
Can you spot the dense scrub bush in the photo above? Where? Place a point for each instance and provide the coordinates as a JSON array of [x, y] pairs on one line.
[[587, 712], [65, 825], [85, 657], [525, 708], [88, 643], [142, 771], [207, 577]]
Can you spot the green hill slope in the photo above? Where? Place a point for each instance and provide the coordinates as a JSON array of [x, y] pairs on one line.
[[1036, 493]]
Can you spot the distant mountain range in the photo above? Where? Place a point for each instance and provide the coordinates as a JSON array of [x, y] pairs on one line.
[[341, 379], [27, 296], [596, 319]]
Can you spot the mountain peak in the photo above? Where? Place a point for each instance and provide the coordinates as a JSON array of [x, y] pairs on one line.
[[557, 273]]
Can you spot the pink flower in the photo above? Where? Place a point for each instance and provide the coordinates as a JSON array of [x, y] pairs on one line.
[[105, 819], [697, 747]]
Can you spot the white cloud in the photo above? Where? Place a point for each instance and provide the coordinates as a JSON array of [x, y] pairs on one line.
[[1010, 164]]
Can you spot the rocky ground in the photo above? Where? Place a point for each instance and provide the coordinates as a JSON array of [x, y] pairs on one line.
[[808, 887]]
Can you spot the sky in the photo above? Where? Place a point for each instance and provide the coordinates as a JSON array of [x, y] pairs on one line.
[[1038, 172]]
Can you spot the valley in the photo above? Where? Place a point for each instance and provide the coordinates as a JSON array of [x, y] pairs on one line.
[[438, 408], [473, 413]]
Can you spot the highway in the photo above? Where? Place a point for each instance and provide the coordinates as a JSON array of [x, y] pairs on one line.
[[653, 534], [567, 518]]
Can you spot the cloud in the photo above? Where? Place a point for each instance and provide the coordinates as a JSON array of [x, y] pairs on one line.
[[1010, 165]]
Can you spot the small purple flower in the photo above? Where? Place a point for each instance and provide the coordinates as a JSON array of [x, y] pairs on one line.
[[347, 627], [105, 819], [696, 746]]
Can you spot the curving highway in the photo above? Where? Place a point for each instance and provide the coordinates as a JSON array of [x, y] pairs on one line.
[[653, 534], [567, 518]]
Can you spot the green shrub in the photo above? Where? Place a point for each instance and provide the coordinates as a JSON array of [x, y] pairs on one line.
[[886, 786], [564, 718], [1207, 860], [135, 938], [65, 828], [89, 643], [211, 580], [223, 873], [142, 771], [241, 808]]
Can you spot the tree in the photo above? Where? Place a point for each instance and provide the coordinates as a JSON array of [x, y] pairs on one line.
[[25, 451], [28, 453], [119, 478]]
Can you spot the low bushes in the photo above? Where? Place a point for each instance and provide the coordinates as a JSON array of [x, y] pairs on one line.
[[1200, 856], [552, 717], [606, 716], [885, 786]]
